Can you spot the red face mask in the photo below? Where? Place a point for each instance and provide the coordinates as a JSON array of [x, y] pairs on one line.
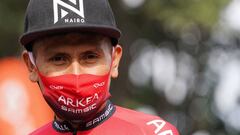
[[76, 97]]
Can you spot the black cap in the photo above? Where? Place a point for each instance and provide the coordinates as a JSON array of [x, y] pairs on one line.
[[50, 17]]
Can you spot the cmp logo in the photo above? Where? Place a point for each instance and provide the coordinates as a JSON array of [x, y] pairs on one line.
[[79, 11]]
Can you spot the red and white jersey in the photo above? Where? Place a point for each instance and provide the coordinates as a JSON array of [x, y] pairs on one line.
[[113, 121]]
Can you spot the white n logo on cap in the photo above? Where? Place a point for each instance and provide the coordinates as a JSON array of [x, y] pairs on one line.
[[79, 11]]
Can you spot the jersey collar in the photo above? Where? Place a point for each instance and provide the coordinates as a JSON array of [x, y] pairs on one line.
[[102, 116]]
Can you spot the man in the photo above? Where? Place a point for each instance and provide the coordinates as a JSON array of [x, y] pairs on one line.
[[72, 52]]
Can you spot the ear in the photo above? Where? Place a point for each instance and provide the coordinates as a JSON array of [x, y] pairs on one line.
[[117, 55], [33, 76]]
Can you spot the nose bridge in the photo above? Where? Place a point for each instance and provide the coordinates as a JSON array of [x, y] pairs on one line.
[[75, 68]]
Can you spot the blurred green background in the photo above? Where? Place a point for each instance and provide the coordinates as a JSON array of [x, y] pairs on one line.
[[181, 59]]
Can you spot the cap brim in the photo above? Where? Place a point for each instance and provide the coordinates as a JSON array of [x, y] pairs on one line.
[[29, 37]]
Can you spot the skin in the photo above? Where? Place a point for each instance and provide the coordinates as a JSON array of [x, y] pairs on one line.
[[73, 53]]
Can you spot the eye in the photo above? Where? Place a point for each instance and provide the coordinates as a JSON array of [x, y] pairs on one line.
[[90, 58], [58, 60]]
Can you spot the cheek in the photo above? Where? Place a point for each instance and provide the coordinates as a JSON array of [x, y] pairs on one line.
[[98, 70], [101, 68], [49, 70]]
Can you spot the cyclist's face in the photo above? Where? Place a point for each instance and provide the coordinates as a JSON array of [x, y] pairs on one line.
[[74, 54]]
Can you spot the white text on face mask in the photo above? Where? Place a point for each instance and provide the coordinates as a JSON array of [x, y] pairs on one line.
[[97, 85], [83, 102], [79, 111]]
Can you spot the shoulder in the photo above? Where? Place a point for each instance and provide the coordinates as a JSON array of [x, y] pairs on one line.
[[44, 130], [150, 124]]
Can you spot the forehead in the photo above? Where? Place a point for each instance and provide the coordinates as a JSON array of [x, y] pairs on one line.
[[71, 40]]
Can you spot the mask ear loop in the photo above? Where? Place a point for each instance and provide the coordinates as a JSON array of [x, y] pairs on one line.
[[30, 54]]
